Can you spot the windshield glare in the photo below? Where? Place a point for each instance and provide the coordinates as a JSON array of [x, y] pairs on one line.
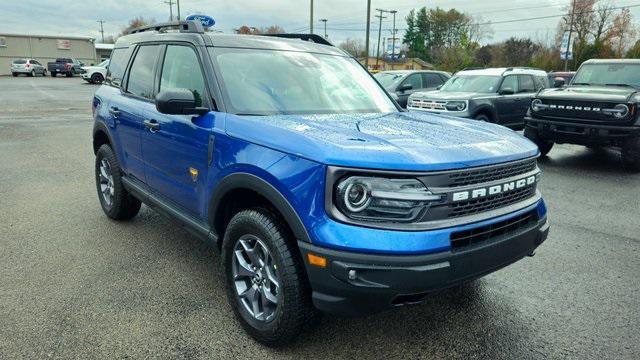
[[266, 82], [388, 79], [472, 83], [602, 74]]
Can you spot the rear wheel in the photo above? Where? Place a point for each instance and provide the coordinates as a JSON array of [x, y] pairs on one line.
[[32, 73], [631, 154], [14, 74], [543, 145], [96, 78], [266, 283], [115, 200], [482, 117], [53, 74]]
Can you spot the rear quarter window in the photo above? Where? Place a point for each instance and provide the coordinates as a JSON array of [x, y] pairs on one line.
[[117, 66]]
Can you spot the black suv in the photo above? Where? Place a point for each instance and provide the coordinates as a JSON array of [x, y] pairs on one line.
[[498, 95], [402, 83], [599, 108]]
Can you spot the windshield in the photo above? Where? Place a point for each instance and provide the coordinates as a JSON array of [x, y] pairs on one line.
[[472, 83], [608, 74], [388, 79], [266, 82], [104, 64]]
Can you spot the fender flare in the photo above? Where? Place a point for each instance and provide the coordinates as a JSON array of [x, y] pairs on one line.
[[100, 127], [265, 189], [486, 109]]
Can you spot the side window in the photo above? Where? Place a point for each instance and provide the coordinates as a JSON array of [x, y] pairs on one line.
[[526, 84], [141, 75], [181, 70], [415, 80], [117, 66], [432, 80], [510, 82], [541, 82]]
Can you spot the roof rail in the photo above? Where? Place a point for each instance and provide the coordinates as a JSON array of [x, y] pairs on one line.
[[183, 26], [522, 68], [305, 37]]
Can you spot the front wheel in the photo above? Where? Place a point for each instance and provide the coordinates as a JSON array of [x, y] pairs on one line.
[[115, 200], [96, 78], [482, 117], [631, 154], [14, 74], [266, 283], [543, 145], [32, 73], [53, 74]]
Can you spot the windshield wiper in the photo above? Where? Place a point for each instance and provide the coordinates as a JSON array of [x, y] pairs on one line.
[[581, 84]]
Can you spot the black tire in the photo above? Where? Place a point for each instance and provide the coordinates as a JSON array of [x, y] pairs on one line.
[[44, 72], [295, 311], [543, 145], [631, 154], [32, 73], [96, 78], [482, 117], [53, 74], [14, 74], [69, 74], [123, 206]]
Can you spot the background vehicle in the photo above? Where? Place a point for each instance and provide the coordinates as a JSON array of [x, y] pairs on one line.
[[309, 179], [95, 74], [598, 108], [403, 83], [68, 67], [497, 95], [560, 78], [29, 67]]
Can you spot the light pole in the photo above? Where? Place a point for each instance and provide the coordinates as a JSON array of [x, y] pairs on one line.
[[178, 6], [366, 61], [311, 19], [170, 3], [325, 27], [102, 29], [379, 35], [393, 46]]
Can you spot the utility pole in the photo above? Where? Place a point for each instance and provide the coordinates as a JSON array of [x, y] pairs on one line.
[[311, 19], [178, 8], [569, 50], [325, 27], [170, 3], [102, 29], [366, 61], [379, 35], [393, 48]]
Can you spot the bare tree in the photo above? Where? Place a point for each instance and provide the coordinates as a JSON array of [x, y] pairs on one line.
[[603, 17], [622, 32], [136, 23], [353, 47]]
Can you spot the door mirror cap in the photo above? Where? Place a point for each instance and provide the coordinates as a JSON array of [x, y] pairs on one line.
[[507, 91], [558, 82], [178, 102], [405, 87]]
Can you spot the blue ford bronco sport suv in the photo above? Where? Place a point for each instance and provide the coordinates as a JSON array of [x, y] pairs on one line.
[[320, 193]]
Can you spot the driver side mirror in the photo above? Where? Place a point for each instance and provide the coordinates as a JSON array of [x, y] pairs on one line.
[[178, 102], [438, 87], [506, 91], [405, 87], [558, 82]]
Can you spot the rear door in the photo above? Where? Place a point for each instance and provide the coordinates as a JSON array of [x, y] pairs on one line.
[[176, 147], [527, 89], [431, 81], [507, 105]]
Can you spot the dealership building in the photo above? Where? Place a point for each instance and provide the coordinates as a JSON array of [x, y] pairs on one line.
[[46, 48]]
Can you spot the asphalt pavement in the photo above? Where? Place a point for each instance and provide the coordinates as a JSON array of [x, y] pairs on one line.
[[76, 285]]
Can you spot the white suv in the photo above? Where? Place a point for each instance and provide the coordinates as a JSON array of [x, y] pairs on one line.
[[95, 74]]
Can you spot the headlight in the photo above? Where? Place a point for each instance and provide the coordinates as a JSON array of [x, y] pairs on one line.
[[383, 199], [536, 105], [620, 111], [456, 105]]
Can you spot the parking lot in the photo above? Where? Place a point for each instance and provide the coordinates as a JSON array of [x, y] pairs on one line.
[[77, 285]]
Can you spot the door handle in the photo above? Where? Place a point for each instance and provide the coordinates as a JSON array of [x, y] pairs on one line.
[[153, 125], [114, 112]]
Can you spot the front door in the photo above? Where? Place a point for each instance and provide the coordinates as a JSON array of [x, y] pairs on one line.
[[415, 80], [176, 147], [507, 104]]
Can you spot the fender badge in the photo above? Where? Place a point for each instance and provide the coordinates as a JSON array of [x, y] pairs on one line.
[[194, 174]]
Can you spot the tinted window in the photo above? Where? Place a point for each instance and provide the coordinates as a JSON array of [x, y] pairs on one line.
[[432, 80], [415, 80], [34, 62], [608, 74], [472, 83], [20, 61], [388, 79], [510, 82], [141, 75], [117, 66], [526, 84], [181, 70]]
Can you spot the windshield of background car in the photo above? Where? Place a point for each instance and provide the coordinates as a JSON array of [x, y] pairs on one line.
[[388, 79], [267, 82], [472, 83], [602, 74]]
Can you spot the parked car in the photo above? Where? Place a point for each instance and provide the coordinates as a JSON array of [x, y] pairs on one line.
[[95, 74], [598, 108], [29, 67], [68, 67], [291, 160], [560, 78], [497, 95], [402, 83]]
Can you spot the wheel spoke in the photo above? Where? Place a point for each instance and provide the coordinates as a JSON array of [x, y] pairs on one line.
[[243, 269], [267, 295], [255, 303]]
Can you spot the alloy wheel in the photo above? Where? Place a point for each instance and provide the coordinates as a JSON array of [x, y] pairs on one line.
[[107, 188]]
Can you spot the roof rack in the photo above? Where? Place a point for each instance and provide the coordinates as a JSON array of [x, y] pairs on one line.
[[305, 37], [183, 26], [522, 68]]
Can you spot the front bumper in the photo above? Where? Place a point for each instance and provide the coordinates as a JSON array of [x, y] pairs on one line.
[[581, 133], [356, 284]]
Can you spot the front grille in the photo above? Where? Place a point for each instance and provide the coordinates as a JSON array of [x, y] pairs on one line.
[[462, 239], [475, 206], [469, 177], [578, 110], [428, 104]]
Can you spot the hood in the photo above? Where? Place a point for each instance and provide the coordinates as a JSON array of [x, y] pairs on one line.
[[442, 95], [394, 141], [589, 93], [91, 68]]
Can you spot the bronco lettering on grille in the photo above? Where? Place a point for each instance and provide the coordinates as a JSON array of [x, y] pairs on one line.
[[494, 190]]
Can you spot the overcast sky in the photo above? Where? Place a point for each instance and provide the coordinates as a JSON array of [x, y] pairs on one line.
[[346, 18]]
